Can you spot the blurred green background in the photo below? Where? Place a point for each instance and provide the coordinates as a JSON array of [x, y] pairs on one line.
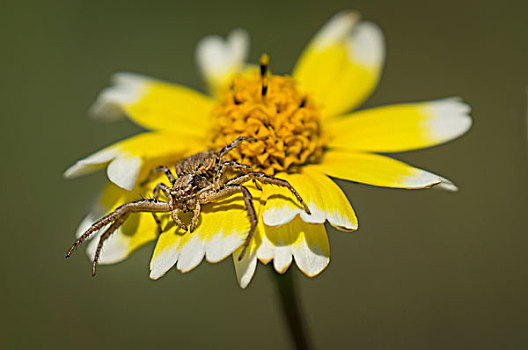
[[426, 270]]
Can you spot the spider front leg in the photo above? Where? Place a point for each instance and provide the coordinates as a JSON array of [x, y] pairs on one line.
[[223, 164], [233, 164], [104, 237], [116, 219], [235, 144], [266, 179], [228, 191], [96, 226]]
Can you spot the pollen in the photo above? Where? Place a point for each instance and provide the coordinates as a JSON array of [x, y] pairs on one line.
[[269, 108]]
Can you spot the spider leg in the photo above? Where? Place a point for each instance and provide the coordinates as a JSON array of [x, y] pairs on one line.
[[160, 187], [268, 180], [221, 168], [104, 237], [194, 220], [229, 190], [155, 196], [222, 164], [158, 222], [156, 170], [96, 226], [234, 144], [242, 167], [176, 219], [145, 205], [257, 185], [234, 164], [248, 199], [167, 172]]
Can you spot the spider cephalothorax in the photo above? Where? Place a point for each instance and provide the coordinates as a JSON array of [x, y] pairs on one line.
[[200, 181]]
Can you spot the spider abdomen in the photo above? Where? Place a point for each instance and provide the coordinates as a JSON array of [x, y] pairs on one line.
[[203, 163]]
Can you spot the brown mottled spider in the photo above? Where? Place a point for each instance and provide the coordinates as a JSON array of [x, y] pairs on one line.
[[200, 180]]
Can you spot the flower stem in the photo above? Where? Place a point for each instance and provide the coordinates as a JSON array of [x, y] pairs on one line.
[[286, 285]]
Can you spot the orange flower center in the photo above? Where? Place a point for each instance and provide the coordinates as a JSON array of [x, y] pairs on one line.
[[269, 108]]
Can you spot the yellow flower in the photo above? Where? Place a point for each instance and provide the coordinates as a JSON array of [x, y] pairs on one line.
[[305, 133]]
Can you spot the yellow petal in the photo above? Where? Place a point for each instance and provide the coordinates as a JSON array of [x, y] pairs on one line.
[[137, 230], [154, 104], [222, 228], [219, 60], [374, 169], [324, 198], [342, 63], [126, 159], [400, 127]]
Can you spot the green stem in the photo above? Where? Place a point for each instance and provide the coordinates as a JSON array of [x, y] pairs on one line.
[[290, 301]]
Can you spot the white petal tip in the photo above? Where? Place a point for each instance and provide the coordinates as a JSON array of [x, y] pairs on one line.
[[310, 256], [191, 254], [265, 260], [315, 268], [221, 246], [282, 260], [245, 268], [217, 57], [162, 262], [366, 45], [421, 179], [124, 171], [336, 28], [282, 268], [157, 273], [244, 281], [127, 89], [449, 118], [74, 171], [155, 276], [90, 163], [447, 185], [347, 228]]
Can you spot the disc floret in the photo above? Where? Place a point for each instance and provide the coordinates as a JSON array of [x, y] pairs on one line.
[[270, 109]]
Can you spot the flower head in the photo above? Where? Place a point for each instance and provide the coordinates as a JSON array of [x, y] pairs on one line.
[[305, 134]]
